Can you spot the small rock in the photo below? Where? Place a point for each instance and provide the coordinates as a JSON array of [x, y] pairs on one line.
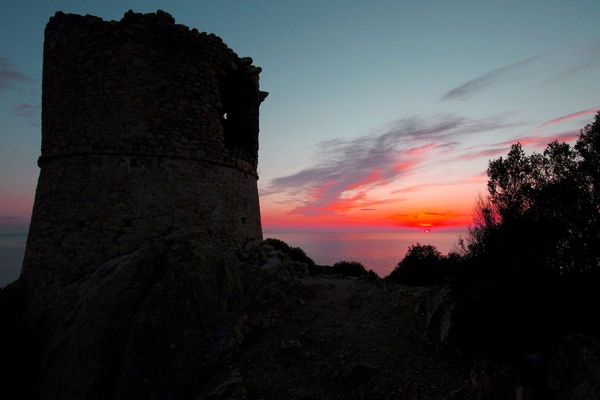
[[439, 307], [227, 389], [523, 393], [354, 373], [290, 344], [271, 263]]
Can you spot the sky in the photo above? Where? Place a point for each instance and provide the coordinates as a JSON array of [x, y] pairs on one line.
[[381, 114]]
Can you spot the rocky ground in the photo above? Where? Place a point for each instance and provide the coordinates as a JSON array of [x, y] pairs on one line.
[[174, 320], [349, 338]]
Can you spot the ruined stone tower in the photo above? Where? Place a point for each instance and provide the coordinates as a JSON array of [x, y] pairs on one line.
[[148, 127]]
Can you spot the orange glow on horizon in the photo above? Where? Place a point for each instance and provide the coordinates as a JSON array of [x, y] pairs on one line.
[[368, 219], [432, 219]]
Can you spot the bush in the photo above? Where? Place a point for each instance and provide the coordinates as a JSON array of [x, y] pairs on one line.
[[294, 253], [349, 268], [422, 265]]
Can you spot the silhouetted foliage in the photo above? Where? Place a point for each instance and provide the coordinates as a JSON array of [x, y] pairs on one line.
[[422, 265], [544, 207], [295, 253], [531, 267], [349, 268], [529, 270]]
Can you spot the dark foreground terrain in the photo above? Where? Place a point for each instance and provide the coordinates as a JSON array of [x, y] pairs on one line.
[[350, 338], [169, 322]]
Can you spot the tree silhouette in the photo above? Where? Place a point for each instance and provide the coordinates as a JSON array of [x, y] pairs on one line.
[[422, 265], [543, 209], [531, 267]]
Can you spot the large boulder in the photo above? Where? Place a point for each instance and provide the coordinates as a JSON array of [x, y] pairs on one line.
[[144, 325], [152, 324]]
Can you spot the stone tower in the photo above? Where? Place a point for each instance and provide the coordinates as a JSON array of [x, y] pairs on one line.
[[148, 127]]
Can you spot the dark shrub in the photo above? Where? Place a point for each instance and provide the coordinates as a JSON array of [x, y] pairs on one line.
[[372, 276], [294, 253], [349, 268], [422, 265]]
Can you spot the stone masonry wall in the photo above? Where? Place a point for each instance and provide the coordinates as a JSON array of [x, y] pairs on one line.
[[148, 127]]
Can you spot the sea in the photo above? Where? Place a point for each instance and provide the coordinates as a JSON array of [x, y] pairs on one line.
[[379, 251], [12, 249], [376, 250]]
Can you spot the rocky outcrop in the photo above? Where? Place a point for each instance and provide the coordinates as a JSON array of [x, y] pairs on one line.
[[143, 325], [438, 306], [153, 324]]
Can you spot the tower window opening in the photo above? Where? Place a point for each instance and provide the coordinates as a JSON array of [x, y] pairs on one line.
[[240, 101]]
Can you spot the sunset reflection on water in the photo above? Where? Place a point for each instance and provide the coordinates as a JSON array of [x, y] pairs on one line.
[[379, 251]]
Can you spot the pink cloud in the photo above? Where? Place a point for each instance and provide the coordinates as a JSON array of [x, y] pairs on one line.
[[543, 141], [374, 177], [340, 206], [329, 196], [405, 166], [420, 150], [497, 151], [475, 179], [364, 163], [503, 148], [318, 192], [570, 117]]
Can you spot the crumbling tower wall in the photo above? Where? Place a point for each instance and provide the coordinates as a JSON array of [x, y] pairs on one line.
[[148, 127]]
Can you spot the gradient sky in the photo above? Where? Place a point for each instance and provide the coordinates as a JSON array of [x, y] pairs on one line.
[[381, 114]]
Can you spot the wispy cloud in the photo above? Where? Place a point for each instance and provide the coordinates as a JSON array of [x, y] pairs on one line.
[[573, 71], [543, 141], [346, 170], [10, 76], [475, 179], [502, 148], [580, 59], [27, 110], [487, 153], [547, 67], [475, 85], [570, 117]]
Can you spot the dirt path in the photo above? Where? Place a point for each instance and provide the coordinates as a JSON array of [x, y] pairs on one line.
[[348, 339]]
